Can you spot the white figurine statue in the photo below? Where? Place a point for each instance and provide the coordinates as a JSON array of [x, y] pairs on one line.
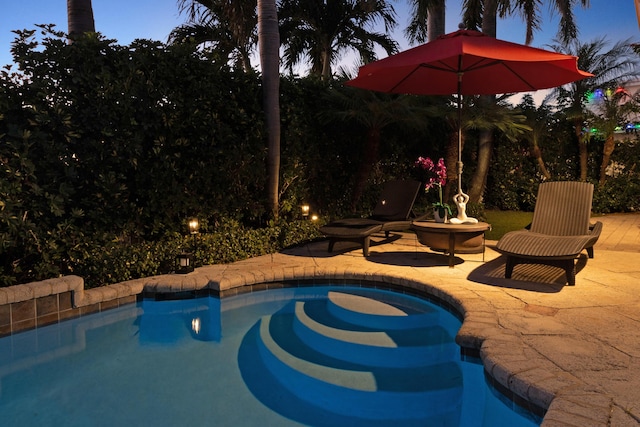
[[461, 200]]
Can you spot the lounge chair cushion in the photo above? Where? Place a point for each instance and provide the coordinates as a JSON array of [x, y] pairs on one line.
[[351, 227], [537, 245]]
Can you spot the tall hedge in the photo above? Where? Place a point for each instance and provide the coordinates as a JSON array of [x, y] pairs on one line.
[[101, 141], [104, 145]]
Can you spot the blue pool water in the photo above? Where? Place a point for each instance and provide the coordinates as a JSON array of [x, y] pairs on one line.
[[321, 356]]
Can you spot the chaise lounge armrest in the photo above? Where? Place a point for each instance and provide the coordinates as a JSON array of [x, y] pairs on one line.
[[594, 233]]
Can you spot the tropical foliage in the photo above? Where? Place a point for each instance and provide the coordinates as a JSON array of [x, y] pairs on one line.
[[610, 68], [103, 141], [320, 32], [107, 149], [102, 146], [227, 29], [483, 15]]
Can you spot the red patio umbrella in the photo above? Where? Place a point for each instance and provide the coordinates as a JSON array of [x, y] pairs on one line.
[[468, 62]]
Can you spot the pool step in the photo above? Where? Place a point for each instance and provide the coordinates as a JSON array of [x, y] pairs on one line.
[[361, 391], [412, 347], [363, 309], [354, 356]]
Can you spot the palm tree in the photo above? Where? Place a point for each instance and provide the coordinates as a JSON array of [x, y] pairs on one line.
[[373, 111], [538, 118], [427, 22], [269, 45], [483, 14], [80, 18], [487, 115], [488, 10], [612, 110], [530, 11], [229, 26], [610, 68], [321, 30], [480, 117]]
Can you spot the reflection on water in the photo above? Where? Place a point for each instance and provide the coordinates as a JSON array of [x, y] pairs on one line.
[[165, 322]]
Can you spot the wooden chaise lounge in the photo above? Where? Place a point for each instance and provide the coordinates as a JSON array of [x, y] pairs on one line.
[[392, 213], [559, 232]]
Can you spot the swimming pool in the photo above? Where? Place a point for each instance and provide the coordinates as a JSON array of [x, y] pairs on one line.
[[324, 356]]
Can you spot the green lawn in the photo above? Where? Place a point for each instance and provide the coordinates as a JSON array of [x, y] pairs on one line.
[[503, 221]]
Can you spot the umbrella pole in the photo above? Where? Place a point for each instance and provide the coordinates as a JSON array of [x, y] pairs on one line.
[[461, 198], [460, 165]]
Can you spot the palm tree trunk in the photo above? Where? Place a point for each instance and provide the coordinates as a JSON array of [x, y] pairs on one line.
[[609, 146], [246, 60], [369, 158], [490, 18], [326, 65], [80, 18], [485, 148], [451, 162], [538, 156], [582, 147], [485, 152], [435, 20], [269, 45]]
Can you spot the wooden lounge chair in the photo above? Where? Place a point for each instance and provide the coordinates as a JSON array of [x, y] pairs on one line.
[[559, 232], [392, 213]]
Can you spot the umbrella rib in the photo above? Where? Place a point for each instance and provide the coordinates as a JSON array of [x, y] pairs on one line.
[[477, 66], [401, 81], [519, 76], [480, 64]]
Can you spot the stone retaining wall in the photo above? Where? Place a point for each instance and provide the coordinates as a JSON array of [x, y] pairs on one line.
[[37, 304]]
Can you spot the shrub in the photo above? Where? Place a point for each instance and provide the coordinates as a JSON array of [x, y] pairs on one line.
[[618, 194], [118, 261]]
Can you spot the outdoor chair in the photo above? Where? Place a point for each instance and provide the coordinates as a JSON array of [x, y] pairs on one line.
[[559, 232], [392, 213]]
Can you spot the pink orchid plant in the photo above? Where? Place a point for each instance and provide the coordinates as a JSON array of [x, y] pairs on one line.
[[437, 178]]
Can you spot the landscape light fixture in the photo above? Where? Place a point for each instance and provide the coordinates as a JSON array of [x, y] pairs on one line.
[[194, 226], [305, 211], [184, 263], [184, 260]]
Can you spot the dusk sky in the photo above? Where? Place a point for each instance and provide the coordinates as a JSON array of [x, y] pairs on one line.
[[154, 19]]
